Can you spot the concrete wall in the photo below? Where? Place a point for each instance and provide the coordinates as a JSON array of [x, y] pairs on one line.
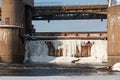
[[12, 14], [113, 35], [65, 47], [11, 45]]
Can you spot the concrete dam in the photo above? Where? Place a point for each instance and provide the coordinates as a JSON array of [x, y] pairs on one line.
[[67, 47], [72, 47]]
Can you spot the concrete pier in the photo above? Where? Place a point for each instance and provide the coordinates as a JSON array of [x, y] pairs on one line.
[[11, 45], [113, 35]]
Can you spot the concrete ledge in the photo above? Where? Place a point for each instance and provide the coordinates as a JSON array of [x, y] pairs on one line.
[[112, 60], [11, 59], [10, 26]]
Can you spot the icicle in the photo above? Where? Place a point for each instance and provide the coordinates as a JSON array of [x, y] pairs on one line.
[[65, 51]]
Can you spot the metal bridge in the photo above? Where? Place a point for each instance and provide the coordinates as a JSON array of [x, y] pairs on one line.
[[68, 12]]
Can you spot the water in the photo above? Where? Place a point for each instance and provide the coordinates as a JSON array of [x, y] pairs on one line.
[[51, 70], [47, 70], [75, 57]]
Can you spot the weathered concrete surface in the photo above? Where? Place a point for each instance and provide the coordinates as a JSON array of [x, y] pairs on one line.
[[67, 47], [12, 12], [113, 35], [11, 45], [11, 48]]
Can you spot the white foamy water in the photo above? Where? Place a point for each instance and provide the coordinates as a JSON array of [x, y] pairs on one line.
[[37, 51]]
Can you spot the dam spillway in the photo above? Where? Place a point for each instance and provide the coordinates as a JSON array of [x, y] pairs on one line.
[[67, 47]]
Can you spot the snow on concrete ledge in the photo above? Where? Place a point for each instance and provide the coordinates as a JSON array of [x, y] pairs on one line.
[[116, 67]]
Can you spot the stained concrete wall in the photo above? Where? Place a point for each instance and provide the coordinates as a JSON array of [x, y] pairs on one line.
[[113, 35], [12, 14], [11, 45], [11, 49], [65, 47]]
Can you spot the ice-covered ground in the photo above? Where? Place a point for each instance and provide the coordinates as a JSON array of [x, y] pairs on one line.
[[92, 77]]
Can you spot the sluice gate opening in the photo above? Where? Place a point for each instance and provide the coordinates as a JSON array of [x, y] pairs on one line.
[[67, 47]]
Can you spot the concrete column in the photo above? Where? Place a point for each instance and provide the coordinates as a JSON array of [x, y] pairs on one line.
[[28, 19], [113, 35], [12, 12], [11, 45]]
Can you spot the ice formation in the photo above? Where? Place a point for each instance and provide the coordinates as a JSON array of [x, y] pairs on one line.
[[66, 51]]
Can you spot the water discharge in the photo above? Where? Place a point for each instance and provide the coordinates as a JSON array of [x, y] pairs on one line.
[[66, 51]]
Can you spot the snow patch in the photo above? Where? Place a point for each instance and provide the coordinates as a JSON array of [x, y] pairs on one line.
[[116, 67]]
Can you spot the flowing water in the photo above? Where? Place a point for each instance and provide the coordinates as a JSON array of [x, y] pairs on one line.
[[66, 51], [61, 58]]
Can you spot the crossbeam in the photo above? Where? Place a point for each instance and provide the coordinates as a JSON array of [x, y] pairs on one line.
[[70, 12]]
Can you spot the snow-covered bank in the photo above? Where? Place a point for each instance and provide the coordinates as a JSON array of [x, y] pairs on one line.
[[92, 77], [66, 51], [116, 67]]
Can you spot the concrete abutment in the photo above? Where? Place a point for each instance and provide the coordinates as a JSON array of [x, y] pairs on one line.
[[12, 48], [14, 25], [113, 35]]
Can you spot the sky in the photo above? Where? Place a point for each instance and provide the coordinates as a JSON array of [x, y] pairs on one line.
[[71, 25], [75, 1]]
